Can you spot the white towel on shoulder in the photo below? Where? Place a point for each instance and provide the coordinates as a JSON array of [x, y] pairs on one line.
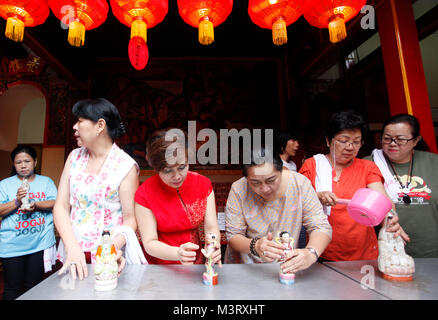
[[392, 187], [133, 252], [49, 258], [323, 179]]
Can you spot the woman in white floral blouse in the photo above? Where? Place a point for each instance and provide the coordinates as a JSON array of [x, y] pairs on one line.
[[97, 187]]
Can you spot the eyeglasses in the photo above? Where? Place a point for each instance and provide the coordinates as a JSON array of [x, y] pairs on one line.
[[355, 144], [397, 141]]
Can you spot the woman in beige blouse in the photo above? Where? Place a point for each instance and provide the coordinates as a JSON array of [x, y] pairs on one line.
[[267, 201]]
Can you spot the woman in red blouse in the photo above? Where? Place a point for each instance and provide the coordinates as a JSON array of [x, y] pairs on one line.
[[171, 205], [339, 174]]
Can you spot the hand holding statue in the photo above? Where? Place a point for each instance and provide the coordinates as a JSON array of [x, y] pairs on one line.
[[23, 196], [268, 249], [210, 253]]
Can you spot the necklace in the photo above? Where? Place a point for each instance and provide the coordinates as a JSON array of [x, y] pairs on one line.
[[333, 165], [405, 189]]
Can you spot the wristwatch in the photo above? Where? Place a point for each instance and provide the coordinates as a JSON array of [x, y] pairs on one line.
[[313, 251]]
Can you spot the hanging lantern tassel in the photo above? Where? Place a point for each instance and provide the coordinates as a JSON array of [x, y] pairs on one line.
[[14, 29], [76, 33], [337, 29], [206, 31], [138, 53], [139, 29], [279, 32]]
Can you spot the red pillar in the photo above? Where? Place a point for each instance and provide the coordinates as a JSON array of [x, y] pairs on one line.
[[406, 83]]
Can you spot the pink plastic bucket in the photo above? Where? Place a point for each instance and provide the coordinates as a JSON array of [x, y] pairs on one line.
[[367, 207]]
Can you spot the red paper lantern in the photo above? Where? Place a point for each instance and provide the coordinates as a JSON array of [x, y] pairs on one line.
[[22, 13], [275, 15], [139, 15], [79, 15], [332, 14], [205, 15]]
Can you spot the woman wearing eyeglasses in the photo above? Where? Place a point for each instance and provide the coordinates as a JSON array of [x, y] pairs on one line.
[[411, 181], [339, 174]]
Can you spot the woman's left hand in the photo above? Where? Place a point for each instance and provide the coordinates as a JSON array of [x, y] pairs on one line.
[[216, 256], [119, 242], [299, 259], [395, 227], [121, 261]]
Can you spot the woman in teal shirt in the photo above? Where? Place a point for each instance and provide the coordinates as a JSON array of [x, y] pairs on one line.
[[25, 233]]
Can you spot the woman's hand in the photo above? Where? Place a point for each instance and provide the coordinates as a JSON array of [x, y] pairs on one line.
[[395, 227], [121, 261], [75, 262], [21, 193], [217, 255], [327, 198], [31, 208], [298, 259], [269, 250], [119, 242], [214, 253], [186, 253]]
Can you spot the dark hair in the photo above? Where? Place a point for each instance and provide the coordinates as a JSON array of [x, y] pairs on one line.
[[413, 123], [281, 139], [404, 118], [95, 109], [24, 148], [156, 147], [345, 120], [261, 156]]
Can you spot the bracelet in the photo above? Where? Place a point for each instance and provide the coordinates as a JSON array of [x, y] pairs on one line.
[[17, 203], [252, 246]]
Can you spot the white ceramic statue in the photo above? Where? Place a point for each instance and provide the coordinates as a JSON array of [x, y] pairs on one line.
[[25, 202], [288, 242], [106, 267], [393, 261], [210, 277]]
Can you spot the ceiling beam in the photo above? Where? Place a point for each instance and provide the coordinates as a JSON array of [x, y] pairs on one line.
[[30, 41]]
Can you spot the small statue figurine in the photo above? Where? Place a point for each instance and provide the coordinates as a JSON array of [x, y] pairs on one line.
[[106, 267], [393, 261], [25, 202], [288, 242], [210, 277]]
